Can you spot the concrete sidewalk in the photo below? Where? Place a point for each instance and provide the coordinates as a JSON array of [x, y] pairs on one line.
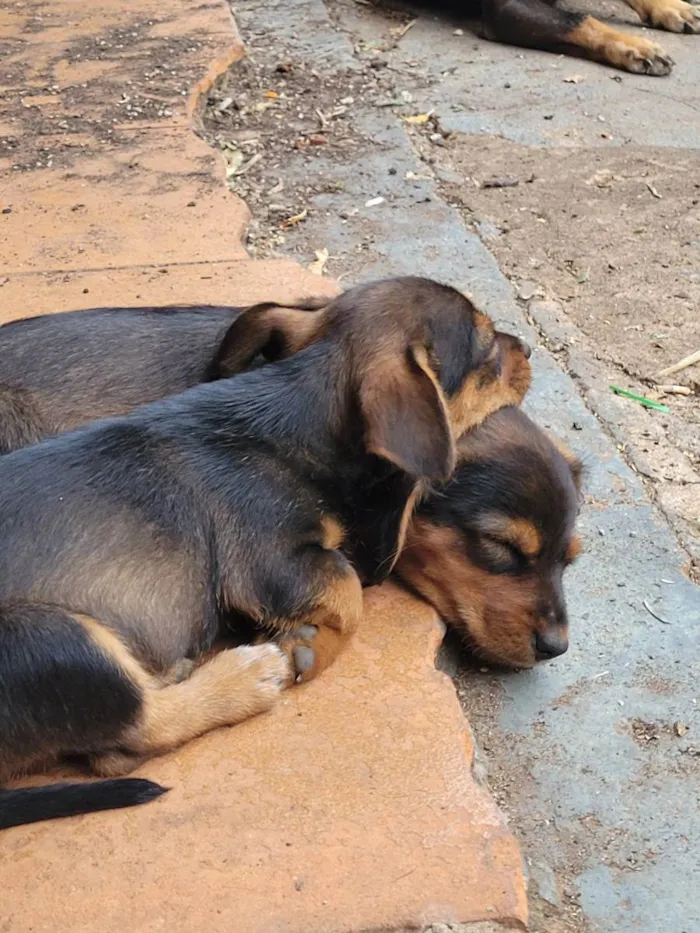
[[599, 784], [353, 805]]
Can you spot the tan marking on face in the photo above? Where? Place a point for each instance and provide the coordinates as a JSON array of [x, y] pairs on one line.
[[519, 532], [523, 535], [497, 613]]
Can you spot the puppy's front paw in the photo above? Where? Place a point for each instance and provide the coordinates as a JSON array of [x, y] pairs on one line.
[[299, 648]]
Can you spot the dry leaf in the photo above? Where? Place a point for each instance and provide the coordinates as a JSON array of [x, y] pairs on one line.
[[233, 159], [603, 178], [654, 191], [319, 265], [273, 95], [680, 728], [419, 119], [296, 219]]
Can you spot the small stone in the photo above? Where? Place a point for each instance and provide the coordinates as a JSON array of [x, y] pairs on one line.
[[527, 291], [449, 176], [545, 883], [577, 426]]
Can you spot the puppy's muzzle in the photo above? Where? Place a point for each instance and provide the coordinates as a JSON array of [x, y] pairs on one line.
[[550, 644]]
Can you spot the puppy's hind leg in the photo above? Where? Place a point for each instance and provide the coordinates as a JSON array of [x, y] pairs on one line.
[[64, 689], [234, 685]]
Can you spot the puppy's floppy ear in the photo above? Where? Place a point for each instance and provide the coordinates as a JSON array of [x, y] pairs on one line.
[[515, 369], [270, 329], [406, 417]]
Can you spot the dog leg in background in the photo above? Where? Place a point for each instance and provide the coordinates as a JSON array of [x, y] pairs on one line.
[[671, 15], [538, 25]]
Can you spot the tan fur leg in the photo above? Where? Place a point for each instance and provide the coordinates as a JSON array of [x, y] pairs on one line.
[[631, 53], [114, 764], [319, 638], [180, 671], [671, 15], [232, 686]]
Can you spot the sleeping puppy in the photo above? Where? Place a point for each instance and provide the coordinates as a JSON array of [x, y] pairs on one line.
[[74, 367], [490, 549], [59, 371], [127, 546]]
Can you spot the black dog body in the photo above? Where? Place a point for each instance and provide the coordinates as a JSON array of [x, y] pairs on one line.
[[56, 368], [153, 498]]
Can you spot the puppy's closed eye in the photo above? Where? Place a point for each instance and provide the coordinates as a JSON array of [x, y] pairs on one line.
[[501, 556]]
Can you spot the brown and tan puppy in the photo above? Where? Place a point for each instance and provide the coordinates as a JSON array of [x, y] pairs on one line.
[[489, 550], [127, 546]]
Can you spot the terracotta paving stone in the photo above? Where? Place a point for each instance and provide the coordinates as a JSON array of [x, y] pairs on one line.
[[351, 806]]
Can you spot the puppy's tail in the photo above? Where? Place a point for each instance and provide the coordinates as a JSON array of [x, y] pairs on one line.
[[33, 804]]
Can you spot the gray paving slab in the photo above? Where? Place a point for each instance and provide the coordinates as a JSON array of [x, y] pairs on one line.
[[612, 812]]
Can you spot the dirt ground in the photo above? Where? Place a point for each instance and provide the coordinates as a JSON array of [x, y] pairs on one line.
[[613, 236]]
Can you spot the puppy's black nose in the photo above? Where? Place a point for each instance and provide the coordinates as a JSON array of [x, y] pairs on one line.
[[551, 644], [525, 347]]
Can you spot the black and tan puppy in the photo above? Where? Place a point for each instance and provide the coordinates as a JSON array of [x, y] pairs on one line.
[[126, 546], [59, 371], [541, 24], [489, 550]]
